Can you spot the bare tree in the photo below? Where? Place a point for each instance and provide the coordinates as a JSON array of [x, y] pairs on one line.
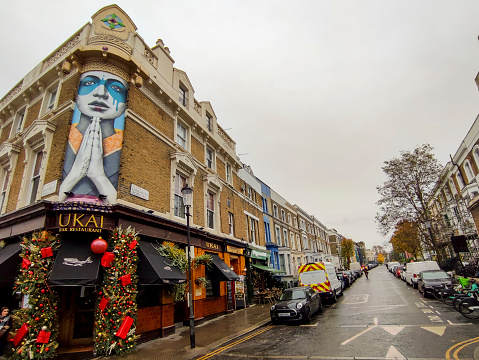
[[404, 195]]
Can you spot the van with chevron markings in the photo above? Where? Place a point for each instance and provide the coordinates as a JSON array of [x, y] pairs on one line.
[[322, 278]]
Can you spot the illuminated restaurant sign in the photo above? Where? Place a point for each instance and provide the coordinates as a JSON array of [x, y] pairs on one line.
[[82, 222]]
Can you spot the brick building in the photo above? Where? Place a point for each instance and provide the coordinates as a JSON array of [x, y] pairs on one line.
[[104, 133]]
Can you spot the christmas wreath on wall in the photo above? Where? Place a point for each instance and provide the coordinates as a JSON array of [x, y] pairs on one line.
[[116, 310], [37, 322]]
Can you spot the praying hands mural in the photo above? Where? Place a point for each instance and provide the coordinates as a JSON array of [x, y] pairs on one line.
[[93, 152]]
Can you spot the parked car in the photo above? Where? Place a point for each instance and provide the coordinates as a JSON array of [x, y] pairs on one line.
[[391, 264], [414, 268], [345, 276], [296, 304], [399, 270], [341, 280], [429, 279]]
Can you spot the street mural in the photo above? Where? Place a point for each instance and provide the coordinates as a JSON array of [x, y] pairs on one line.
[[93, 152]]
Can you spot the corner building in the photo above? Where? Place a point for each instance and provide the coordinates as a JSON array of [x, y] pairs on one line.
[[105, 132]]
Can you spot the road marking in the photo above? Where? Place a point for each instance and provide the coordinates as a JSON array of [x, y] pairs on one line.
[[356, 299], [427, 311], [393, 353], [358, 335], [435, 318], [310, 325], [420, 305], [459, 346], [458, 324], [221, 349], [438, 330], [393, 330]]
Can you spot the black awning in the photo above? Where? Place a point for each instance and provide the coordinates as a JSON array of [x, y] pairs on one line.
[[155, 269], [75, 265], [219, 271], [9, 261]]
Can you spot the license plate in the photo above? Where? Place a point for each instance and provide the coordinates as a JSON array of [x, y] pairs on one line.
[[283, 314]]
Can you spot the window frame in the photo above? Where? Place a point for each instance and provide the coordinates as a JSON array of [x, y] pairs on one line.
[[210, 210], [285, 237], [209, 122], [183, 95], [231, 223], [229, 173], [210, 163], [179, 196], [275, 210], [277, 232], [283, 215], [4, 190], [35, 178], [180, 126]]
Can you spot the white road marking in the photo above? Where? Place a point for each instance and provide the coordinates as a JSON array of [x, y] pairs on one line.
[[393, 330], [435, 318], [310, 325], [356, 299], [427, 311], [358, 335], [393, 353], [458, 324], [438, 330], [420, 305]]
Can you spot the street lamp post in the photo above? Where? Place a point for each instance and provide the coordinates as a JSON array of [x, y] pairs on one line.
[[187, 194]]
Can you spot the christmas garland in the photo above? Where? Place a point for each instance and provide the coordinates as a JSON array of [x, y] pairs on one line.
[[37, 323], [116, 310]]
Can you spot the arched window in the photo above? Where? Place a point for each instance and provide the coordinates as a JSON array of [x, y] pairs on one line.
[[459, 180], [469, 172], [475, 154], [452, 187]]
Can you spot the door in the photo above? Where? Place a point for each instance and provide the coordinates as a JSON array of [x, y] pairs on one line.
[[76, 314]]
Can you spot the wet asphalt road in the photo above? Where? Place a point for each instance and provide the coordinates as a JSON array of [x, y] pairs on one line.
[[377, 318]]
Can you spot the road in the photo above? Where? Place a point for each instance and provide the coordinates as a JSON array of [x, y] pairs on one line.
[[377, 318]]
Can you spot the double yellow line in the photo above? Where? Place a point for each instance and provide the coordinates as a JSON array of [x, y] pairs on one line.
[[459, 347], [221, 349]]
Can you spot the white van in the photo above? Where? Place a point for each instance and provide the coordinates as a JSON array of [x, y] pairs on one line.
[[414, 268], [322, 278]]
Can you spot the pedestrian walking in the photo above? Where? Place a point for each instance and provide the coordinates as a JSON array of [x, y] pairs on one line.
[[5, 326]]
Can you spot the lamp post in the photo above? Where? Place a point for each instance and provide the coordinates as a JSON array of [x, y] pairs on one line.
[[187, 194]]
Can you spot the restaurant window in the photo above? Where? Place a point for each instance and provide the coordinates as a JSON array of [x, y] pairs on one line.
[[212, 289], [35, 181], [148, 295], [210, 210], [180, 182]]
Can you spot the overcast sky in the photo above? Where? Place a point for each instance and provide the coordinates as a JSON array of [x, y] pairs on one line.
[[316, 94]]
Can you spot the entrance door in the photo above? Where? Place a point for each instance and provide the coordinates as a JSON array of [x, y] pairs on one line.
[[76, 314], [180, 312]]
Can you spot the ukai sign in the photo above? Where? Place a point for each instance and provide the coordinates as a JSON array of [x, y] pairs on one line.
[[83, 222]]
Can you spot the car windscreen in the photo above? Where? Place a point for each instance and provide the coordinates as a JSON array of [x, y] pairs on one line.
[[293, 295], [435, 275]]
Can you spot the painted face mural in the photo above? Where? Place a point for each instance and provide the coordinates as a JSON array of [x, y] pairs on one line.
[[96, 135]]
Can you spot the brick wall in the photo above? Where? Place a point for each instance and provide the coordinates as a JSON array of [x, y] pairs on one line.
[[198, 150], [58, 148], [16, 182], [210, 306], [148, 110], [68, 90], [5, 133], [145, 162]]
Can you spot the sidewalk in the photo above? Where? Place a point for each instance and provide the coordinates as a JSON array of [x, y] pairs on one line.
[[208, 335]]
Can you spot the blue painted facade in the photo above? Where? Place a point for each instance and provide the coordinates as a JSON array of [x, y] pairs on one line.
[[272, 247]]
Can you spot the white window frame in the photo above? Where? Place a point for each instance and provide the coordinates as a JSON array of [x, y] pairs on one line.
[[231, 223], [475, 155], [178, 202], [210, 161], [275, 211], [283, 215], [277, 232], [19, 121], [229, 173], [179, 136], [285, 237], [252, 230], [452, 186], [4, 190], [35, 177], [468, 170], [210, 210], [183, 95], [289, 218], [209, 122], [459, 180], [50, 103]]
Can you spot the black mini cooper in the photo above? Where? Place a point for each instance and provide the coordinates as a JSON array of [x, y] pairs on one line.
[[296, 304]]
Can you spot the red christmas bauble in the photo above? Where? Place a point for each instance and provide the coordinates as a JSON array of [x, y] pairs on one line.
[[99, 246]]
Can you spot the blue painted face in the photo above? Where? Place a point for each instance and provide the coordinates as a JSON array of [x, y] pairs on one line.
[[114, 87], [102, 95]]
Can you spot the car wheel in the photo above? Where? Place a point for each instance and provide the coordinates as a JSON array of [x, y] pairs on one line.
[[321, 307], [307, 316], [335, 297]]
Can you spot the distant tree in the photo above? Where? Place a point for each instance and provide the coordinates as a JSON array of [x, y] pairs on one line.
[[381, 258], [410, 183], [406, 238], [377, 249], [347, 251]]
